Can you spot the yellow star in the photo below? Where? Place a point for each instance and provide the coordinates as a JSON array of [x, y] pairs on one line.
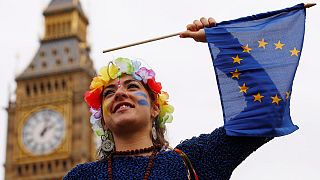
[[246, 48], [258, 97], [235, 74], [287, 95], [294, 51], [236, 59], [243, 88], [279, 45], [262, 44], [275, 99]]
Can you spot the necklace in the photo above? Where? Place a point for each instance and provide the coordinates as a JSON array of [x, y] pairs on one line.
[[136, 151], [153, 149]]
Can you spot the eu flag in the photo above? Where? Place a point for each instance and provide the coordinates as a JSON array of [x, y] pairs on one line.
[[255, 59]]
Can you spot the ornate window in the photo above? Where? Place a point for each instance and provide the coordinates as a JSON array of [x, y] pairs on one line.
[[66, 50], [19, 170], [34, 169], [32, 67], [54, 52], [64, 84], [70, 60], [56, 85], [49, 86], [44, 64], [58, 62], [42, 54], [35, 89], [49, 167], [28, 90]]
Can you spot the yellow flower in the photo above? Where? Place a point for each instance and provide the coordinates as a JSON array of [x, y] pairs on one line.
[[113, 71], [166, 109], [163, 97], [97, 82], [103, 72]]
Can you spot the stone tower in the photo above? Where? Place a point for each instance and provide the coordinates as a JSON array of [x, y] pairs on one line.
[[48, 124]]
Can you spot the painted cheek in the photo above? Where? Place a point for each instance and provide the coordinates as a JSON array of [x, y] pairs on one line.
[[141, 94], [106, 108], [143, 102]]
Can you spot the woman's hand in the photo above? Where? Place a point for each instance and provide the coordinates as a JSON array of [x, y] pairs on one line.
[[196, 31]]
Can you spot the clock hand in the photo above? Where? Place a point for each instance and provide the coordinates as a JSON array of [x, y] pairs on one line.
[[48, 127], [45, 127], [43, 131]]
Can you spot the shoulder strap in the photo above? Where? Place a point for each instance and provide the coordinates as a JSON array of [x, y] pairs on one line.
[[192, 175]]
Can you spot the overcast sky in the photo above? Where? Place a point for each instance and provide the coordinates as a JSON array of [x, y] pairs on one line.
[[183, 66]]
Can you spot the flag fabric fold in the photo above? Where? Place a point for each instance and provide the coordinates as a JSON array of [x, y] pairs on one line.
[[255, 59]]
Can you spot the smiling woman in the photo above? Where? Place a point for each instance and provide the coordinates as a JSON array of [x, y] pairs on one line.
[[131, 103], [128, 109], [129, 113]]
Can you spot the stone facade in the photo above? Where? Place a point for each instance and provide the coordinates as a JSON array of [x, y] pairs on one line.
[[55, 80]]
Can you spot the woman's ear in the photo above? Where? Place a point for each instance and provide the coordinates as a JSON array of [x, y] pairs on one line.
[[155, 111]]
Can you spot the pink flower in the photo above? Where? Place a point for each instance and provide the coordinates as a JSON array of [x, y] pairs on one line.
[[96, 112], [145, 74]]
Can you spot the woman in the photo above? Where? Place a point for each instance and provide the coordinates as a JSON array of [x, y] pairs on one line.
[[129, 113]]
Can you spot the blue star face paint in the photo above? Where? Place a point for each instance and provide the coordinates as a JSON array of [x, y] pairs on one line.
[[142, 102]]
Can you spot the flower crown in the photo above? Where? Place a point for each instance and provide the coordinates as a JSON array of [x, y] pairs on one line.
[[115, 69]]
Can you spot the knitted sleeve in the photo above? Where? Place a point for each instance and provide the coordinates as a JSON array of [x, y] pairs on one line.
[[216, 155]]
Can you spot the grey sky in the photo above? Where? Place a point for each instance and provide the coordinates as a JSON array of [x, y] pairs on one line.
[[183, 66]]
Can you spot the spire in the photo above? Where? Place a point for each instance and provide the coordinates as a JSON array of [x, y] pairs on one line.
[[63, 19], [64, 45], [58, 6]]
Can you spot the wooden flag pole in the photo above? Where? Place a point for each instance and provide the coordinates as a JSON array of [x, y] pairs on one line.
[[308, 5], [142, 42]]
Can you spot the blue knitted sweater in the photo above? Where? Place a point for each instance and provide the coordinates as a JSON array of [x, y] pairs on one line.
[[213, 156]]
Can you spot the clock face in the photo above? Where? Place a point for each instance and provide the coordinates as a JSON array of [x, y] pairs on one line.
[[43, 132]]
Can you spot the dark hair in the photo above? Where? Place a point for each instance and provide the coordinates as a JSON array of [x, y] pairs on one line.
[[160, 129]]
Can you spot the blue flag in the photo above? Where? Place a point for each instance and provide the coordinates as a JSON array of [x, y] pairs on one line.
[[255, 59]]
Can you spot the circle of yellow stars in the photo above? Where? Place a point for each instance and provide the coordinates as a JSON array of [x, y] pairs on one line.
[[262, 43]]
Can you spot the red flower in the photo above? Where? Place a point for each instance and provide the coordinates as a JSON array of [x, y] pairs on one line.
[[93, 98], [154, 86]]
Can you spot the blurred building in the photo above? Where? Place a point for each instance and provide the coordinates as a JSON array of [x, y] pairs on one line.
[[48, 127]]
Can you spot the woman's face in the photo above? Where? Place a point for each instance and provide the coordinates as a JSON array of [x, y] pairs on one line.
[[126, 105]]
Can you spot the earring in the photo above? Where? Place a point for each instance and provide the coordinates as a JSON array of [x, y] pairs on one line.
[[106, 143], [154, 131]]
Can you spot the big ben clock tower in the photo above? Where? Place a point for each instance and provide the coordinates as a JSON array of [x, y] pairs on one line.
[[48, 127]]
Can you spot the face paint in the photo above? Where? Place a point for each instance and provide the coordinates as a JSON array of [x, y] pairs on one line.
[[106, 106], [141, 94], [142, 102]]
